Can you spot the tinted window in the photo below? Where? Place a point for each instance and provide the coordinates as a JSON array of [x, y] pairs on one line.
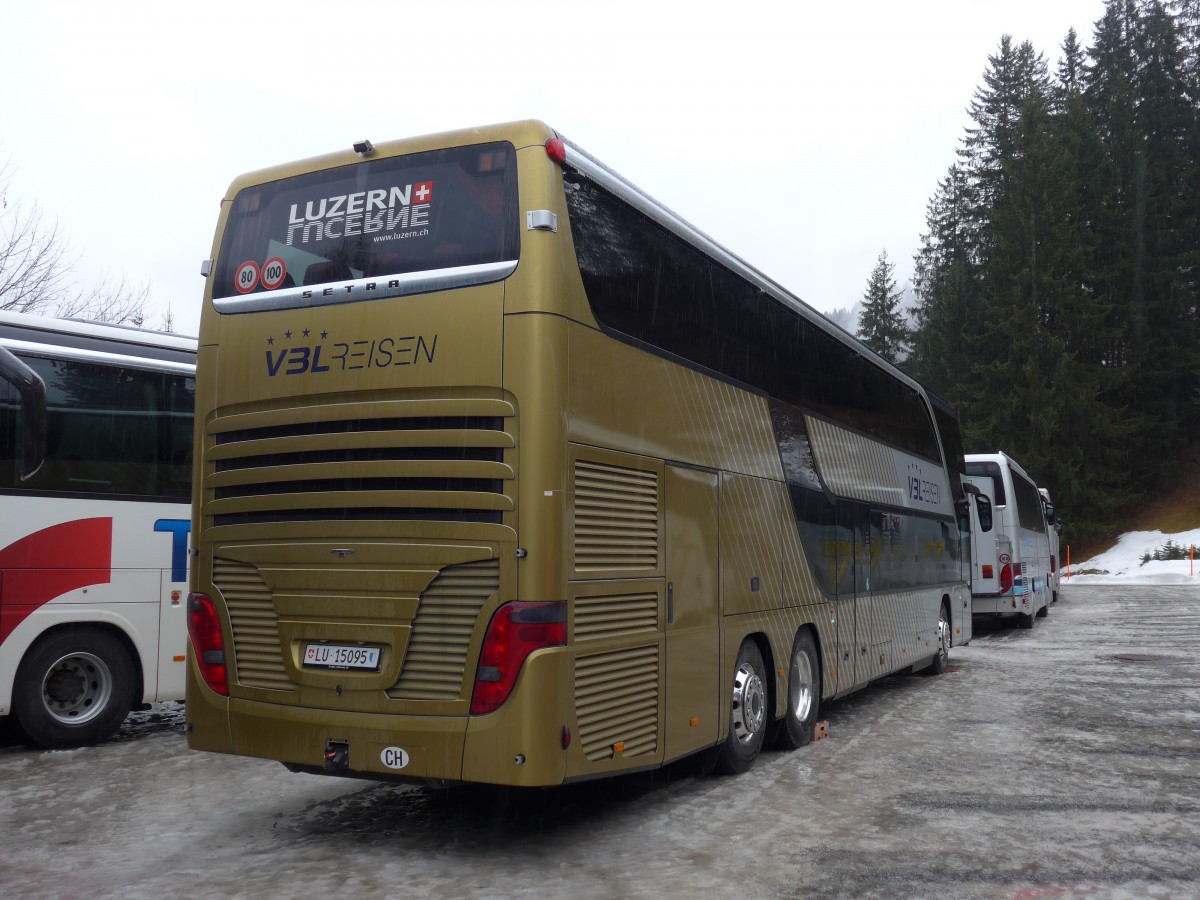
[[951, 433], [426, 211], [1029, 504], [992, 471], [110, 431], [651, 287]]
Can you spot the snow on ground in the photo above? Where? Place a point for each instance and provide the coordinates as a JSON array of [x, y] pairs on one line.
[[1123, 563]]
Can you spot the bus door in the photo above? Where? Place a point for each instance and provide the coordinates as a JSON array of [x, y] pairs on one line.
[[853, 587], [985, 561], [692, 616]]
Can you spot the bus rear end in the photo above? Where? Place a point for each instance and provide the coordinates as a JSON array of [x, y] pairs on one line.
[[354, 606]]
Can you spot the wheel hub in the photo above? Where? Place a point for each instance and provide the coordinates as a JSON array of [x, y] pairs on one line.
[[64, 686], [749, 704], [800, 687], [76, 688]]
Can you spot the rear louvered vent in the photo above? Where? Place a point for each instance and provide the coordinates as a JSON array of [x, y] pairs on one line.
[[436, 658], [367, 461], [256, 650], [597, 618], [616, 518], [616, 703]]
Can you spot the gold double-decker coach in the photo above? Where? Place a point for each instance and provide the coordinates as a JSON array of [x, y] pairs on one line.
[[507, 474]]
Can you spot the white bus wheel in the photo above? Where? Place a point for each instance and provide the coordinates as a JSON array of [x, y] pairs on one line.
[[73, 688]]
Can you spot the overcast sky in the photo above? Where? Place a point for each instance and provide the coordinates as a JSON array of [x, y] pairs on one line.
[[806, 138]]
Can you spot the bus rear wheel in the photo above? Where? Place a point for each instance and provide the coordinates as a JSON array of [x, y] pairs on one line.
[[795, 729], [73, 688], [941, 660], [749, 712]]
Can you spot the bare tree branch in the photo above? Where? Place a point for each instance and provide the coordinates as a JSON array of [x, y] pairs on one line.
[[37, 265], [35, 261], [118, 303]]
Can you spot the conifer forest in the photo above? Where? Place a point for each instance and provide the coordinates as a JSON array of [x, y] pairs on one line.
[[1056, 282]]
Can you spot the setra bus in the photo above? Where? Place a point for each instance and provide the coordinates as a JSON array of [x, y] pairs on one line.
[[1015, 573], [506, 474], [95, 481]]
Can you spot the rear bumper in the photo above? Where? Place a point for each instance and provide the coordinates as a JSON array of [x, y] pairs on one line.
[[519, 744]]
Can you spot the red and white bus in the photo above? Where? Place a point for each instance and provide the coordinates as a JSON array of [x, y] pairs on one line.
[[95, 474]]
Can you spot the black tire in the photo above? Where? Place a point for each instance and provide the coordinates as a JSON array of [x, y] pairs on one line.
[[749, 712], [945, 637], [73, 688], [795, 729], [1044, 611], [1024, 621]]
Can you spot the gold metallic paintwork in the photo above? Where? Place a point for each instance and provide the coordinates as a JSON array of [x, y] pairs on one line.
[[653, 407], [626, 398], [590, 417], [695, 713], [617, 675]]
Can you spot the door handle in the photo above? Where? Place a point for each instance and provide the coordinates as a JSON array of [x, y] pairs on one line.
[[670, 602]]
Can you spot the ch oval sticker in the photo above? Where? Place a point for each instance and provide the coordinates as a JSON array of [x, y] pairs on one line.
[[394, 757]]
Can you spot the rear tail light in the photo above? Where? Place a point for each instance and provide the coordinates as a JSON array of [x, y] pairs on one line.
[[204, 630], [1053, 564], [516, 630], [1006, 578]]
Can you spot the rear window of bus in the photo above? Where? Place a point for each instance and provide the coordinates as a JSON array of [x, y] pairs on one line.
[[438, 210]]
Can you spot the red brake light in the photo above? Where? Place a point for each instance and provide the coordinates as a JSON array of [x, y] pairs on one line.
[[1006, 578], [516, 630], [204, 630], [556, 150]]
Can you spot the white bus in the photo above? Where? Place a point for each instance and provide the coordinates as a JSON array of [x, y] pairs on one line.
[[95, 475], [1011, 571], [1052, 533]]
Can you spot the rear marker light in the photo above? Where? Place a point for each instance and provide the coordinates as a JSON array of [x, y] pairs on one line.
[[556, 150]]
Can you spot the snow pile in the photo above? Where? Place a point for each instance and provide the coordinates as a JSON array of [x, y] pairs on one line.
[[1123, 563]]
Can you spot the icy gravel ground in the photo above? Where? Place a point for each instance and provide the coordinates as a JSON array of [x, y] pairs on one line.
[[1058, 762]]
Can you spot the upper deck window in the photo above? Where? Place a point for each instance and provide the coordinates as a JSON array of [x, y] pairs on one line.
[[378, 228]]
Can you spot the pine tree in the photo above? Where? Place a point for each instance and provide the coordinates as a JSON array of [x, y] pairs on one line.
[[1166, 224], [881, 324], [1187, 18], [1146, 224], [946, 281], [1057, 299]]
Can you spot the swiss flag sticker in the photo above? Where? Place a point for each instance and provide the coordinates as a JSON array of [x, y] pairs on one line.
[[423, 192]]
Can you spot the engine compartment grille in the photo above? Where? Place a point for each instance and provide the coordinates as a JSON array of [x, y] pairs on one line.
[[362, 460]]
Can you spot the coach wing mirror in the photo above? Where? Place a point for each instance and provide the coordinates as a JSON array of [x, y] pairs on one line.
[[982, 504], [985, 511], [33, 411]]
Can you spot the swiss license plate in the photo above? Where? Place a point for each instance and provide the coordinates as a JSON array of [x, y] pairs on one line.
[[341, 656]]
